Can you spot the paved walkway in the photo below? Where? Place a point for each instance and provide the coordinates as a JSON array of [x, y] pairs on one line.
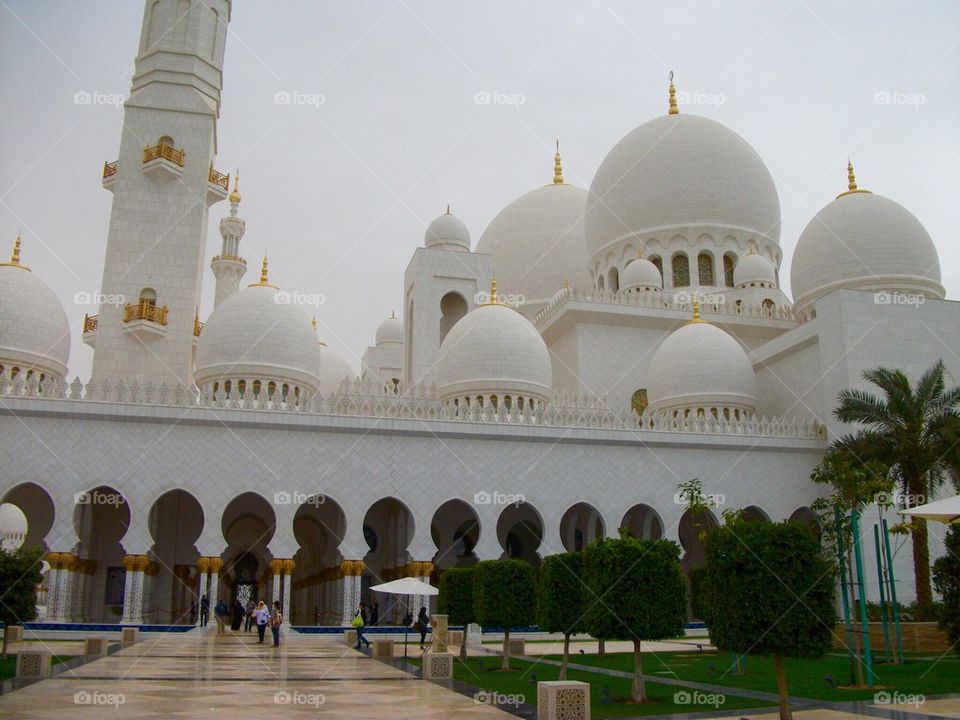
[[200, 675]]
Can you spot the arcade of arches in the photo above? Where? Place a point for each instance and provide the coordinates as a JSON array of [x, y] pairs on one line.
[[97, 580]]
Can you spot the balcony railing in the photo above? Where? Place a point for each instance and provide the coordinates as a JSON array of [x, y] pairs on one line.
[[218, 178], [230, 257], [167, 152], [109, 169], [145, 310], [90, 323]]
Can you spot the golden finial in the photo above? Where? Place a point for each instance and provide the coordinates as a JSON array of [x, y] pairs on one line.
[[15, 256], [851, 182], [393, 314], [566, 283], [448, 210], [557, 167], [696, 310], [492, 300], [674, 110], [235, 195], [264, 278], [313, 321]]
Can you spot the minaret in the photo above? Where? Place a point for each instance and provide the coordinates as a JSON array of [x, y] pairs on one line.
[[163, 184], [228, 267]]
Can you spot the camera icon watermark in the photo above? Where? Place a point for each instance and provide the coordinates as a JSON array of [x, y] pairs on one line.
[[498, 498], [295, 97], [895, 97], [94, 97], [686, 497], [97, 497], [296, 497], [98, 298], [885, 697], [697, 697], [686, 297], [898, 298], [95, 697], [898, 499], [700, 98], [496, 97], [283, 697], [513, 300], [283, 297], [491, 697]]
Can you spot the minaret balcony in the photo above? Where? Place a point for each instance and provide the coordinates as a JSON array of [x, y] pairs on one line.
[[218, 186], [145, 321], [90, 329], [163, 162], [109, 174], [197, 329]]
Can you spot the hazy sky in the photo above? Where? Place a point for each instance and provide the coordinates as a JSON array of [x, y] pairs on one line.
[[339, 193]]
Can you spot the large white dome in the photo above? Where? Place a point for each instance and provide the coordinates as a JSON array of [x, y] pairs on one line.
[[538, 244], [681, 175], [256, 335], [493, 350], [333, 370], [863, 241], [447, 232], [390, 332], [701, 367], [34, 331]]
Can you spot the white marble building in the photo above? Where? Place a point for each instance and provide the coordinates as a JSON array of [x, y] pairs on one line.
[[635, 337]]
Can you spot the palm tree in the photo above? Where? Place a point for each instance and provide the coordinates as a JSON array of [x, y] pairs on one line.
[[914, 431]]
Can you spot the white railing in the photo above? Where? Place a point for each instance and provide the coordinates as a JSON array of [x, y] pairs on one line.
[[356, 398]]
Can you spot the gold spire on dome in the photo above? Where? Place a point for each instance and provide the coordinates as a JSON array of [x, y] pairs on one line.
[[696, 312], [313, 321], [492, 300], [15, 256], [448, 210], [393, 314], [851, 182], [235, 195], [264, 277], [674, 110], [557, 167]]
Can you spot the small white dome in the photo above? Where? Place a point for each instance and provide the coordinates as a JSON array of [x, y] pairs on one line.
[[256, 335], [34, 331], [493, 350], [639, 275], [538, 243], [754, 268], [680, 174], [12, 520], [447, 232], [699, 366], [862, 241], [333, 370], [390, 332]]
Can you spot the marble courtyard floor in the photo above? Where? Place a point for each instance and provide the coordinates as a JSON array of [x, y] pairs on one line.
[[200, 675]]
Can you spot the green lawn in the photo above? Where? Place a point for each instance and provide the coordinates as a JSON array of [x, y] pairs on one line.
[[521, 682], [8, 667], [805, 678]]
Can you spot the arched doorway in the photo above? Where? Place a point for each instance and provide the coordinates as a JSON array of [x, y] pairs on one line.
[[807, 517], [642, 522], [693, 527], [453, 306], [455, 529], [580, 525], [755, 514], [388, 529], [248, 525], [101, 519], [175, 521], [318, 527], [520, 532], [37, 507]]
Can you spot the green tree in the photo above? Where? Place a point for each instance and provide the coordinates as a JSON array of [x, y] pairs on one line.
[[769, 589], [560, 599], [19, 577], [909, 429], [946, 579], [636, 591], [456, 600], [504, 595]]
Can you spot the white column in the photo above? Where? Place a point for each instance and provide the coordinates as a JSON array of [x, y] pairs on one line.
[[133, 589], [288, 567], [148, 579], [276, 568], [214, 593]]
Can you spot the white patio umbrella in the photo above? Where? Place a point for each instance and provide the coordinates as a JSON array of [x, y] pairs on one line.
[[406, 586], [945, 511]]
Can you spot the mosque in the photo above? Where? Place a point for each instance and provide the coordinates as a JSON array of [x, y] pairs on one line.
[[544, 386]]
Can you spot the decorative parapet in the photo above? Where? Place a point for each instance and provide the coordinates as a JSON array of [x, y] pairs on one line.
[[167, 152], [110, 169], [90, 323], [145, 310], [369, 400], [215, 177], [668, 300]]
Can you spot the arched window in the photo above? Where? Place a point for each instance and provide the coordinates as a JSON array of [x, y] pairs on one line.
[[600, 283], [658, 261], [149, 295], [256, 388], [681, 270], [705, 268], [452, 308], [165, 140], [729, 260], [639, 401], [613, 279]]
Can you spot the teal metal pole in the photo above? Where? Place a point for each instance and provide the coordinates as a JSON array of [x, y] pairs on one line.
[[883, 599], [893, 592], [842, 558], [858, 560]]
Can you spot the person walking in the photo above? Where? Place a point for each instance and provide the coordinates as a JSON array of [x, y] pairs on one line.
[[359, 620], [263, 617], [276, 620], [204, 610], [220, 613], [236, 621], [248, 617], [375, 612], [423, 625]]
